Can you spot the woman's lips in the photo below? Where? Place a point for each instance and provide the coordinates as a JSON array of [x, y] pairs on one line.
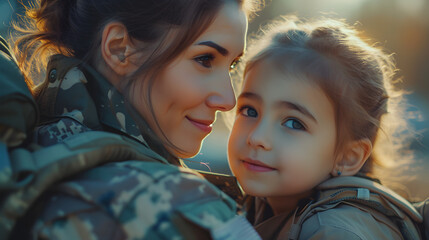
[[203, 125], [256, 166]]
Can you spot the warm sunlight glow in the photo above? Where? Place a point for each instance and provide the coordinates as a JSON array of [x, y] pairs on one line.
[[410, 6], [340, 7]]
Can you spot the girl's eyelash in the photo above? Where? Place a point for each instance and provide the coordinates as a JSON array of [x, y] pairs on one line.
[[205, 60], [240, 111], [300, 127]]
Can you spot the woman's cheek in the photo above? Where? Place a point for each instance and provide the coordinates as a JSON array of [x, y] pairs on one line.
[[186, 88]]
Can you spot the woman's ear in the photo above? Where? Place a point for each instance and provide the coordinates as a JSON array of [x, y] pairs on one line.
[[353, 158], [116, 47]]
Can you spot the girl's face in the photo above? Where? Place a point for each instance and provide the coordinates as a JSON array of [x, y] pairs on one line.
[[188, 93], [283, 139]]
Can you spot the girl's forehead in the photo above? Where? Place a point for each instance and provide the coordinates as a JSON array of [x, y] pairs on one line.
[[275, 83], [264, 74], [307, 69], [272, 88], [300, 62]]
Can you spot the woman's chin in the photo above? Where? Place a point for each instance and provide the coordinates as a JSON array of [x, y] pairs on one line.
[[187, 152]]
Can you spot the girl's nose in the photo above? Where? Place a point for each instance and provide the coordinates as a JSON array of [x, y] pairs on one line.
[[259, 137]]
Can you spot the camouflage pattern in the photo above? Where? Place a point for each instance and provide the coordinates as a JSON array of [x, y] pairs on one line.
[[118, 200], [18, 111], [226, 183], [94, 104]]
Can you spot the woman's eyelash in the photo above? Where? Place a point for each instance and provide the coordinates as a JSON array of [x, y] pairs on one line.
[[234, 64], [205, 60]]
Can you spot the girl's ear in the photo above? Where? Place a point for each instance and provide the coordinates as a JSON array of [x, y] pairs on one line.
[[353, 158], [116, 47]]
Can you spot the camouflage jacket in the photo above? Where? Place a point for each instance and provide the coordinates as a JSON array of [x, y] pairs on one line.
[[18, 111], [119, 200]]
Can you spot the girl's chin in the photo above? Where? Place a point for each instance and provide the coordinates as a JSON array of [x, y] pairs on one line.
[[254, 191]]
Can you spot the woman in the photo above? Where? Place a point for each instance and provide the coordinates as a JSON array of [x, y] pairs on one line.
[[153, 71]]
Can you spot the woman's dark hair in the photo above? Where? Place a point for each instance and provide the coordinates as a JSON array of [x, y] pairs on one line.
[[74, 28]]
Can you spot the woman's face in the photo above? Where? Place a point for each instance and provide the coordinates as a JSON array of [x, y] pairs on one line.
[[188, 93]]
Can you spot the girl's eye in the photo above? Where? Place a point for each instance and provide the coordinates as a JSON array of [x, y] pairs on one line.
[[294, 124], [248, 112], [205, 60], [234, 64]]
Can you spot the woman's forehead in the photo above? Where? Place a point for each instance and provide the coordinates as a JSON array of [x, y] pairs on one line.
[[228, 29]]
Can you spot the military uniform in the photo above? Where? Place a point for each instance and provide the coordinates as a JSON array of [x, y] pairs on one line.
[[18, 110], [341, 208], [156, 199]]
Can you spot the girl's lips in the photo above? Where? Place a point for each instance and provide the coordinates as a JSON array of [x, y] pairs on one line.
[[256, 166], [203, 125]]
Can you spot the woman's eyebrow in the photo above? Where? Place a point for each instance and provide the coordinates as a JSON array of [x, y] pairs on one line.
[[220, 49]]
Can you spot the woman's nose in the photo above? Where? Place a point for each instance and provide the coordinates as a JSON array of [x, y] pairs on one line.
[[222, 97]]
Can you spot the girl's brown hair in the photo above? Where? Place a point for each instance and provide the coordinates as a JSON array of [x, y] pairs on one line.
[[357, 77]]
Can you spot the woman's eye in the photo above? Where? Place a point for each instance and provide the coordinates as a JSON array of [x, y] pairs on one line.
[[248, 112], [294, 124], [205, 60], [234, 64]]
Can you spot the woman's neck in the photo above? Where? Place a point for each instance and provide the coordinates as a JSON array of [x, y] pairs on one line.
[[286, 204]]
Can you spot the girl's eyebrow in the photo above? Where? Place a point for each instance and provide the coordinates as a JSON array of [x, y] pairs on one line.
[[250, 95], [286, 104], [297, 107]]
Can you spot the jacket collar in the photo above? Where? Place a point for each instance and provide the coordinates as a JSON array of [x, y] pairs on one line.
[[76, 90]]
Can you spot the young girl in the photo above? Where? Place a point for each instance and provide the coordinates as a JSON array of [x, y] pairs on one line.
[[307, 125]]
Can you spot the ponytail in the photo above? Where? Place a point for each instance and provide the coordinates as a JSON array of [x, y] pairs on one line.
[[44, 33]]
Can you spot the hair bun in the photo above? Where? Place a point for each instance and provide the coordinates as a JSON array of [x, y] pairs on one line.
[[53, 19]]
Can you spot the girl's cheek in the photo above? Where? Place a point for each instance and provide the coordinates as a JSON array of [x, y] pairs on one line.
[[245, 132]]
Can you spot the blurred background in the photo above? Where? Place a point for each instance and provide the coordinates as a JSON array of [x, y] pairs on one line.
[[399, 26]]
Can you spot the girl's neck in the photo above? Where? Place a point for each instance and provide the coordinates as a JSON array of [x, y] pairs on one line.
[[286, 204]]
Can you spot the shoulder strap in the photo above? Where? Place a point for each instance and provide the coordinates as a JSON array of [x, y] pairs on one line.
[[373, 187], [423, 209], [31, 173], [362, 197]]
